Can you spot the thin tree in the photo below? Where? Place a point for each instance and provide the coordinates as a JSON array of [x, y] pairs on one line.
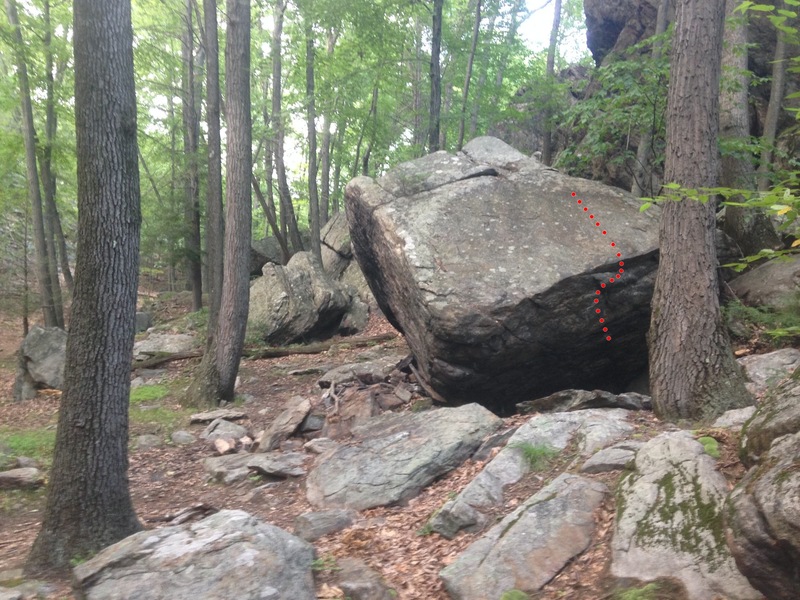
[[776, 93], [547, 137], [34, 189], [311, 121], [88, 501], [216, 375], [693, 373], [436, 77], [468, 77]]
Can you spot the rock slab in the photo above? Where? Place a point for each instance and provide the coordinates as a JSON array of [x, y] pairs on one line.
[[778, 414], [394, 456], [670, 521], [230, 554], [531, 545]]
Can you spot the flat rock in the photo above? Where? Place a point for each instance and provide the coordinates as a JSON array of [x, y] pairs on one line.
[[762, 516], [765, 370], [220, 428], [531, 545], [368, 372], [359, 582], [778, 414], [230, 554], [26, 478], [615, 458], [394, 456], [285, 424], [735, 418], [670, 522], [228, 414], [182, 438], [313, 525], [569, 400], [479, 260], [236, 467], [148, 441], [595, 428], [163, 343]]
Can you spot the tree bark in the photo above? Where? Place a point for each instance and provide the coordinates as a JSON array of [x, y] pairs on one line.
[[88, 501], [693, 373], [468, 77], [215, 225], [547, 137], [484, 72], [311, 122], [325, 150], [34, 189], [751, 229], [776, 93], [191, 135], [216, 375], [436, 77]]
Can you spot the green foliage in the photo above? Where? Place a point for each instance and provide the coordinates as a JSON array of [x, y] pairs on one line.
[[325, 563], [148, 393], [780, 324], [538, 456], [710, 445], [515, 595], [33, 443], [648, 592]]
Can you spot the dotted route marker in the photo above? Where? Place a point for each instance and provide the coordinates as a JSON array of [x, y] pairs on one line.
[[598, 311]]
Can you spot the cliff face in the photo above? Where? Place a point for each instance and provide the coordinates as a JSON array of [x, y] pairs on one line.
[[614, 25]]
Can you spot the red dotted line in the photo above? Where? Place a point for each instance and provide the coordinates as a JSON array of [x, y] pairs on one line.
[[603, 285]]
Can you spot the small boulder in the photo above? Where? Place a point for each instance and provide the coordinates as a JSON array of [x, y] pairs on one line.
[[570, 400], [148, 441], [228, 414], [778, 414], [765, 370], [773, 284], [369, 372], [230, 554], [220, 428], [163, 343], [735, 418], [232, 468], [285, 424], [313, 525], [359, 582], [614, 458], [27, 478], [44, 352], [144, 321], [182, 438]]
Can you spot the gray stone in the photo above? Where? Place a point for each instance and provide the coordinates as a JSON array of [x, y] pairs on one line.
[[144, 321], [615, 458], [313, 525], [734, 419], [773, 284], [454, 516], [10, 594], [670, 522], [320, 445], [230, 554], [163, 343], [148, 441], [765, 370], [232, 468], [44, 351], [220, 428], [480, 322], [335, 245], [285, 424], [21, 479], [228, 414], [298, 302], [595, 428], [778, 414], [268, 250], [354, 279], [182, 438], [394, 456], [359, 582], [569, 400], [762, 519], [356, 318], [368, 372], [25, 462], [314, 421], [493, 441], [531, 545]]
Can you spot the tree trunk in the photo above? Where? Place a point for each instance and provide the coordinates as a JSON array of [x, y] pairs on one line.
[[325, 150], [751, 229], [484, 72], [88, 501], [311, 121], [34, 190], [547, 137], [436, 77], [468, 77], [693, 373], [191, 134], [372, 124], [642, 176], [776, 93], [337, 169], [269, 213], [216, 375], [288, 217], [215, 225], [419, 132]]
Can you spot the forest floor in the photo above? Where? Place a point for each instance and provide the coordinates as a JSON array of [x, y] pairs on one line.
[[392, 540]]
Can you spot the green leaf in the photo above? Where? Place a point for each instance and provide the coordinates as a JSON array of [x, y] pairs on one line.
[[645, 206], [787, 13]]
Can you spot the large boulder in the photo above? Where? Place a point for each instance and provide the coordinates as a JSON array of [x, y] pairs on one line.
[[670, 521], [777, 415], [44, 352], [614, 25], [335, 244], [487, 264], [394, 456], [762, 517], [228, 555], [765, 370], [298, 302], [774, 284]]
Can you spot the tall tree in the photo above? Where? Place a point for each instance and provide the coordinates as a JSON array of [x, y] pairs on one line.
[[88, 500], [436, 77], [776, 92], [547, 138], [215, 226], [693, 373], [751, 229], [34, 189], [468, 77], [311, 122], [216, 375]]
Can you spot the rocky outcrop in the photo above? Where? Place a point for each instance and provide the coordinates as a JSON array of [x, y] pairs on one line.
[[394, 456], [480, 322], [764, 370], [228, 555], [670, 521], [777, 415], [762, 516], [614, 25], [531, 545]]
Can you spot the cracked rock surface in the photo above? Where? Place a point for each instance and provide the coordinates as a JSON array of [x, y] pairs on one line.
[[488, 266]]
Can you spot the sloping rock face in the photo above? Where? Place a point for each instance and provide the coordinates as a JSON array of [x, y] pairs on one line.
[[777, 415], [763, 513], [531, 545], [394, 456], [670, 522], [298, 302], [227, 555], [488, 266]]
